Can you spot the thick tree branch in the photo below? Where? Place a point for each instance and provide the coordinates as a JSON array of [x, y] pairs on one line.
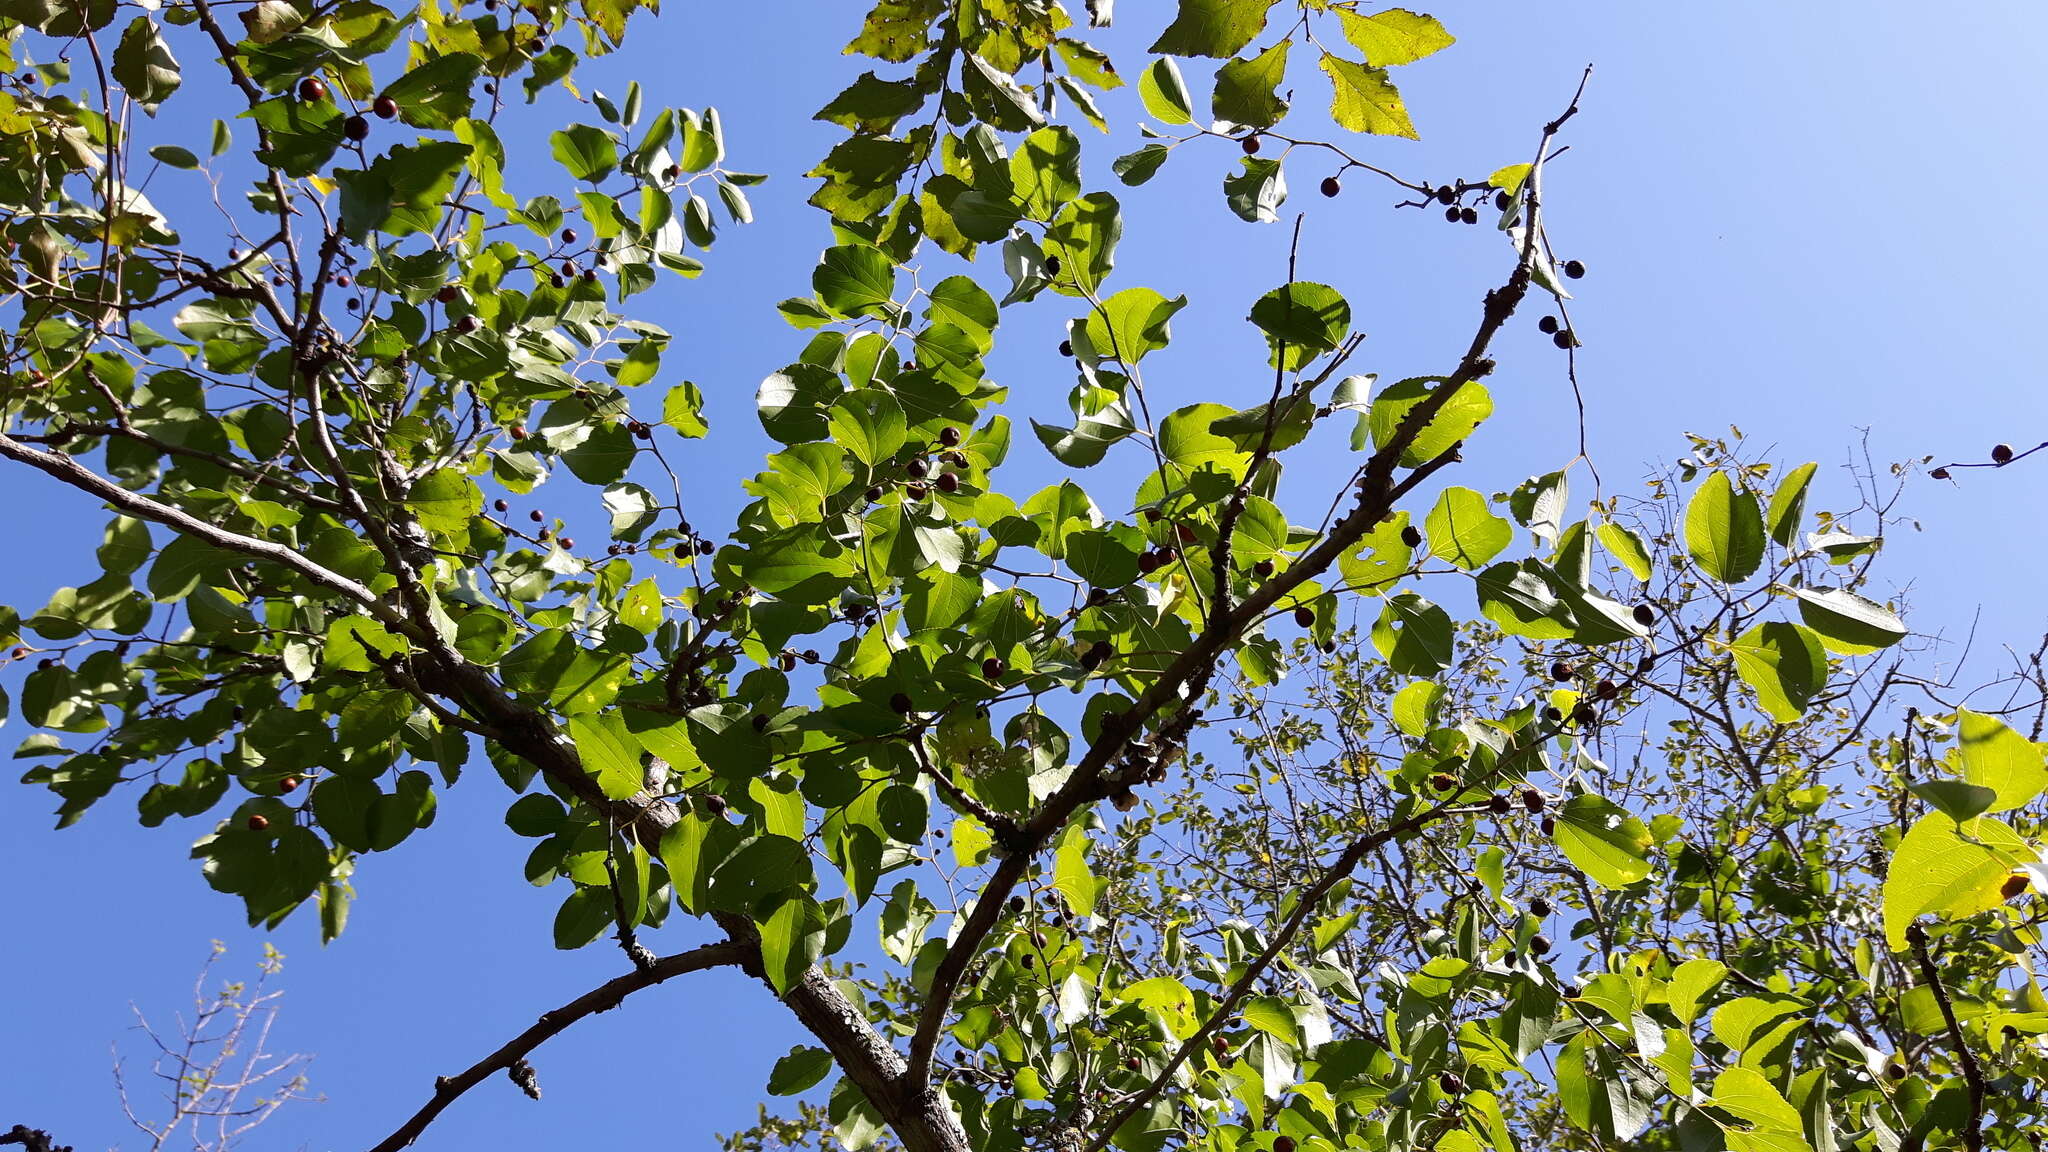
[[602, 998]]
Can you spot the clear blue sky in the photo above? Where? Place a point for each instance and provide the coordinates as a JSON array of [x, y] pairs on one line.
[[1805, 219]]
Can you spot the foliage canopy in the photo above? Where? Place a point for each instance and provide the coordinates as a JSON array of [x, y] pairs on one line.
[[1189, 816]]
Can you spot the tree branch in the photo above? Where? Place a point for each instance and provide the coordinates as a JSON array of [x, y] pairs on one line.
[[1973, 1134], [602, 998], [71, 472]]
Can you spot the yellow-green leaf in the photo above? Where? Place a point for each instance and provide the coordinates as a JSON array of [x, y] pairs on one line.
[[1364, 100], [1937, 872]]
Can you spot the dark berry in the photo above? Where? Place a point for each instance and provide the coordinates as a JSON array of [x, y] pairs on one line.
[[1066, 347], [1563, 340], [1263, 569], [715, 805], [1574, 269], [759, 722], [1501, 201], [1939, 473], [1411, 536], [1644, 615], [949, 483], [2013, 886], [1453, 215], [356, 128], [917, 468], [517, 431], [2001, 453], [1443, 781], [949, 436], [447, 294], [468, 324], [1549, 826], [288, 784], [1553, 714], [1540, 906], [1499, 804], [536, 516], [568, 235], [874, 494], [385, 107], [900, 702], [1304, 616], [1330, 186], [1559, 670], [1645, 664], [914, 491], [1469, 215], [1447, 195], [1052, 265], [1547, 325], [1148, 562], [1097, 653], [1450, 1083], [1250, 144], [1585, 714], [257, 822], [312, 89], [1606, 690], [502, 505], [1539, 944], [1283, 1144], [993, 668], [1533, 800], [567, 543]]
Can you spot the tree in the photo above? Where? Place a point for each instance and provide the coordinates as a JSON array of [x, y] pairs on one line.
[[894, 703]]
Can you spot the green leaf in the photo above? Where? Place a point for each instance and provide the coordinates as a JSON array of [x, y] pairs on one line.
[[1125, 327], [1364, 100], [803, 1069], [1626, 547], [1949, 871], [1788, 505], [1247, 91], [1848, 623], [1394, 37], [1773, 1125], [1954, 799], [587, 153], [1301, 321], [1136, 168], [1070, 874], [1045, 171], [1457, 419], [1414, 636], [1217, 28], [609, 753], [1166, 95], [1463, 530], [143, 64], [435, 94], [445, 501], [870, 424], [1602, 840], [1996, 757], [855, 280], [1724, 530], [1256, 193], [1415, 707], [1783, 663], [1521, 598], [1690, 983]]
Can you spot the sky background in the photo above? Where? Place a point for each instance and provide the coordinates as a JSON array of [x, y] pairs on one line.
[[1807, 220]]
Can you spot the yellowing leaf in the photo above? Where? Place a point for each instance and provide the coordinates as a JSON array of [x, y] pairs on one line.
[[1364, 100], [1937, 872], [1396, 36]]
